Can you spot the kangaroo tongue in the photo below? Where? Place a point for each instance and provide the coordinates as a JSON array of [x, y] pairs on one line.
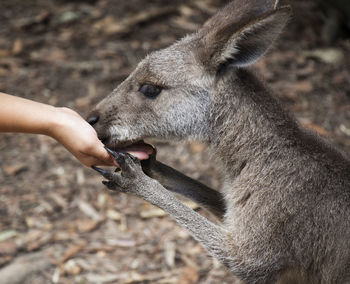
[[139, 150]]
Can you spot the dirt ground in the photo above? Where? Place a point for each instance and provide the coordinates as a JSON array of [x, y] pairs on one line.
[[58, 224]]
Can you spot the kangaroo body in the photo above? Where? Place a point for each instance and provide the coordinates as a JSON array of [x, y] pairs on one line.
[[285, 201]]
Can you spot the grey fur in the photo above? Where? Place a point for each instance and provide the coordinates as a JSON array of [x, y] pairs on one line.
[[175, 181], [286, 192]]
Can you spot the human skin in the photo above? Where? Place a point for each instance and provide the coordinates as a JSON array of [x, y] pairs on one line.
[[63, 124]]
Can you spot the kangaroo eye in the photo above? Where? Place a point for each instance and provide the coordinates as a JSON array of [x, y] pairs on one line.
[[150, 91]]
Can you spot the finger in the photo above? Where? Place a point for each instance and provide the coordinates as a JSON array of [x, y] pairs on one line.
[[89, 161], [103, 155], [98, 157], [97, 162]]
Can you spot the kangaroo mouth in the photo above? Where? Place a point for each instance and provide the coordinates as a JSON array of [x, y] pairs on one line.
[[139, 149]]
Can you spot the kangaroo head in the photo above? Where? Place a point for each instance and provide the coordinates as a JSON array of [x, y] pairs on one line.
[[170, 93]]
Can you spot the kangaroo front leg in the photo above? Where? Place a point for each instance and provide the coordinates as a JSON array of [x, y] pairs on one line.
[[132, 179], [175, 181]]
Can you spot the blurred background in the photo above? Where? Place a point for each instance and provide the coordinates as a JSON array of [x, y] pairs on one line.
[[58, 224]]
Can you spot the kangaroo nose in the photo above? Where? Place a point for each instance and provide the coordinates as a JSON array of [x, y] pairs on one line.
[[93, 118]]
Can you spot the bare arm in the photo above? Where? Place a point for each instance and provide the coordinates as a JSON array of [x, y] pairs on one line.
[[176, 181], [63, 124]]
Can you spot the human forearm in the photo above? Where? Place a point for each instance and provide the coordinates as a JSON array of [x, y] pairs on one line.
[[22, 115], [63, 124]]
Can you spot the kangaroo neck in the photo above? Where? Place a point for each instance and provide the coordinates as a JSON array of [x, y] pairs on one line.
[[247, 122]]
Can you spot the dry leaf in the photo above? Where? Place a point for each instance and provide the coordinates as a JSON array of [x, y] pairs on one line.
[[170, 253], [40, 242], [113, 215], [71, 267], [15, 168], [83, 103], [190, 275], [88, 210], [8, 248], [123, 243], [17, 47], [344, 129], [326, 55], [5, 53], [152, 212], [59, 200], [32, 246], [29, 22], [85, 226], [4, 235], [303, 86], [110, 26], [72, 251], [318, 128]]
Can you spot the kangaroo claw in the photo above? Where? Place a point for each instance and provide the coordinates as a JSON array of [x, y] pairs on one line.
[[104, 173], [99, 170], [115, 155], [120, 157], [110, 185]]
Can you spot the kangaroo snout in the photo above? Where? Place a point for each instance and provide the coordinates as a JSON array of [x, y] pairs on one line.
[[115, 136], [93, 118]]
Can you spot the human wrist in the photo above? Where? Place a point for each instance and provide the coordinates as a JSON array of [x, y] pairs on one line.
[[54, 123]]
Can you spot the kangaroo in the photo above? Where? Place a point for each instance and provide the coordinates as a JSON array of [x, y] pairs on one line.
[[284, 204]]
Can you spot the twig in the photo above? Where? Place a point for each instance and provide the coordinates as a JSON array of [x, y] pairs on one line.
[[277, 2], [127, 24]]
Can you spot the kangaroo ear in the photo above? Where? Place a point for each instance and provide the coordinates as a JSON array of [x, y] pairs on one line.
[[234, 42]]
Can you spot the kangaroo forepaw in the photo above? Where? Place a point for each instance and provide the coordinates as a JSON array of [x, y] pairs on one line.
[[130, 176]]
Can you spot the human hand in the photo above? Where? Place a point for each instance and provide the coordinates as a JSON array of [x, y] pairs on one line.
[[79, 138]]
